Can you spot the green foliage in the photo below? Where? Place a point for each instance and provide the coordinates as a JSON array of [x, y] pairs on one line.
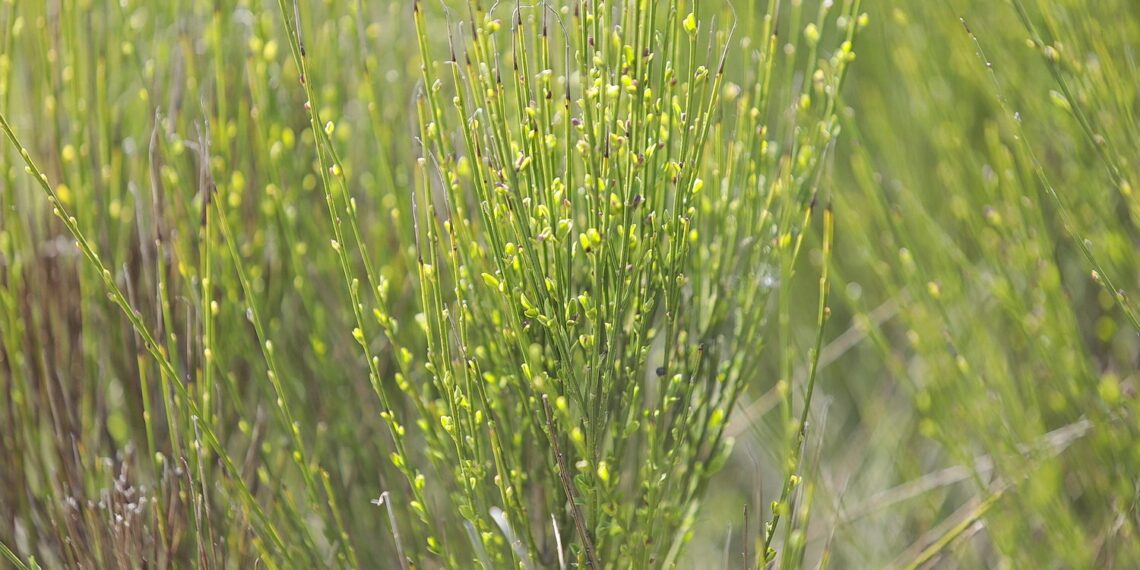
[[450, 284], [996, 217]]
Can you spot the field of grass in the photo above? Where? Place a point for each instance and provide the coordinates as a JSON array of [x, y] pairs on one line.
[[569, 284]]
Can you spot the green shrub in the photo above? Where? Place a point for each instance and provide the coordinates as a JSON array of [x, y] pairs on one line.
[[445, 284]]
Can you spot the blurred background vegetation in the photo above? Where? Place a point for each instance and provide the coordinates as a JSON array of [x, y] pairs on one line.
[[977, 398]]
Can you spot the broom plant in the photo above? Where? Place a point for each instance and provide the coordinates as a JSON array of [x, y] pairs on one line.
[[556, 286]]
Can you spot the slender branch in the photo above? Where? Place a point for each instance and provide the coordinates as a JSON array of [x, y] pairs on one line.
[[568, 486]]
